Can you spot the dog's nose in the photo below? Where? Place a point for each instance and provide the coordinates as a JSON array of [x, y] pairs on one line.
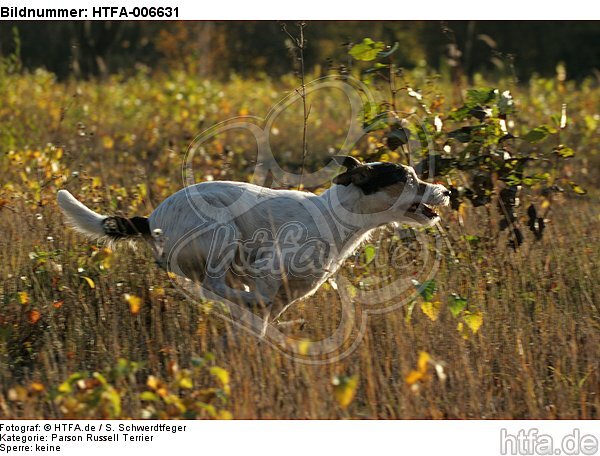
[[447, 193]]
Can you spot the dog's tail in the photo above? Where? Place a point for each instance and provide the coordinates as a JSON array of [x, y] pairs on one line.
[[96, 226]]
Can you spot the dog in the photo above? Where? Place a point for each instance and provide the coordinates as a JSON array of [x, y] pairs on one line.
[[269, 248]]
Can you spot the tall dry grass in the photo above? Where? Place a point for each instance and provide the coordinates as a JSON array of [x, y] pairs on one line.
[[535, 355]]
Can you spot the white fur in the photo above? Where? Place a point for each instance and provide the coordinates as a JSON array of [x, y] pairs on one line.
[[185, 226]]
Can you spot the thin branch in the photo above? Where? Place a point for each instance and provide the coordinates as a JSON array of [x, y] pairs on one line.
[[300, 43]]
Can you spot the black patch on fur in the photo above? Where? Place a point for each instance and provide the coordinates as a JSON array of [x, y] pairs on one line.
[[120, 227], [347, 161], [379, 175]]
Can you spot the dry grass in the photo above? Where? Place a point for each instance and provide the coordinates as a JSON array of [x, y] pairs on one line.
[[535, 356]]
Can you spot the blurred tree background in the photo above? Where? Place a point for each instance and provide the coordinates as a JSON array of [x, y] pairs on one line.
[[217, 49]]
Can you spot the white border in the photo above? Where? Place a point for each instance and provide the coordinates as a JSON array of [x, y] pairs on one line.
[[351, 9]]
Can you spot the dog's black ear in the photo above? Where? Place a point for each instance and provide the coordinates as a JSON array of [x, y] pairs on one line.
[[347, 161], [359, 175], [342, 179]]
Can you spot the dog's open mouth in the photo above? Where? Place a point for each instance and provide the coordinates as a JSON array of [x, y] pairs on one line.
[[423, 209]]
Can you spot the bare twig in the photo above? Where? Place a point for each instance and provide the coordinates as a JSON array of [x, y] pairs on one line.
[[300, 44]]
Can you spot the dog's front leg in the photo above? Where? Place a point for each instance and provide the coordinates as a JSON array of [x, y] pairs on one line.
[[250, 299]]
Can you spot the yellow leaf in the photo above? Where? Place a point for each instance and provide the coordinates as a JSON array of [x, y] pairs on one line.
[[106, 258], [135, 303], [143, 190], [424, 359], [148, 396], [304, 346], [65, 387], [413, 377], [158, 291], [344, 390], [431, 309], [221, 374], [186, 383], [210, 409], [162, 392], [152, 382], [421, 372], [23, 297], [108, 142], [37, 387], [89, 281], [224, 415], [462, 330], [473, 320]]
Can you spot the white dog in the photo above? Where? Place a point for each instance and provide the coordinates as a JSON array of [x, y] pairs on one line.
[[258, 246]]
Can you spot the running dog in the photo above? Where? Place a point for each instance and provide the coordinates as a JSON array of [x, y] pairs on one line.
[[262, 247]]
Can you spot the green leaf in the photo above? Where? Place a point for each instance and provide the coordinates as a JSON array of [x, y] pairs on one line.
[[535, 179], [426, 289], [471, 238], [209, 357], [66, 386], [375, 117], [464, 134], [564, 151], [480, 96], [512, 179], [456, 304], [367, 50], [460, 113], [98, 376], [538, 133], [370, 252]]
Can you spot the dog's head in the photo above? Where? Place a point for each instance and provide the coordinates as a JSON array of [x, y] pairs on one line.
[[395, 188]]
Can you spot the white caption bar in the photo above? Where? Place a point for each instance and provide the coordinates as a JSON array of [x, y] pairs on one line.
[[299, 437]]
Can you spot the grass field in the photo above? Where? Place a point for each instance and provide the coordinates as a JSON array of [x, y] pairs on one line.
[[90, 332]]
